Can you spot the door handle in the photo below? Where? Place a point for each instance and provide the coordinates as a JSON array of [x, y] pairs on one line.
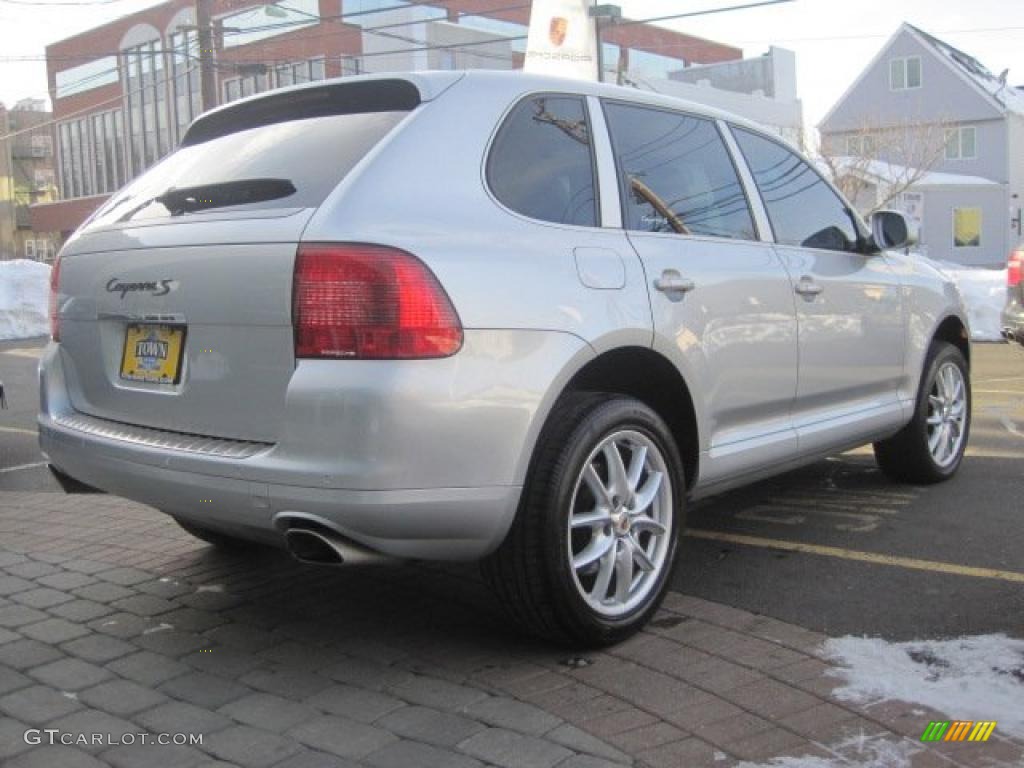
[[807, 287], [673, 282]]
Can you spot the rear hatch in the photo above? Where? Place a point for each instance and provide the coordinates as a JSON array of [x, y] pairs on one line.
[[175, 298]]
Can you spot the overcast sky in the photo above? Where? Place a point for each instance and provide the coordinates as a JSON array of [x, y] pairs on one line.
[[833, 39]]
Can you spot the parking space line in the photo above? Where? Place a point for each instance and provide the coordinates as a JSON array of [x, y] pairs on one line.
[[20, 467], [864, 557], [25, 352], [19, 431]]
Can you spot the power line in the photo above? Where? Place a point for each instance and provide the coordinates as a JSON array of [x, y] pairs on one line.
[[61, 3], [424, 46], [227, 64]]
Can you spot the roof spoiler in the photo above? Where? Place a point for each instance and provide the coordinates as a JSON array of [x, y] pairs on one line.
[[323, 99]]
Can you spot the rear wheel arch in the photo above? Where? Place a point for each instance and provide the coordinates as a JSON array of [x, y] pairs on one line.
[[649, 377]]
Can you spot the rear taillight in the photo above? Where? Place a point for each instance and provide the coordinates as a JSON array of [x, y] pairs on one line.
[[54, 290], [369, 302], [1014, 267]]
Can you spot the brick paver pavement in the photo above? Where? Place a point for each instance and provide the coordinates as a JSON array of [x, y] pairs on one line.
[[114, 621]]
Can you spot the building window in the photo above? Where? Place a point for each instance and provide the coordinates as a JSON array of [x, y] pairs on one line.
[[186, 97], [74, 158], [905, 73], [966, 227], [30, 249], [861, 146], [299, 72], [92, 155], [961, 143], [42, 145], [351, 65], [247, 85], [146, 90]]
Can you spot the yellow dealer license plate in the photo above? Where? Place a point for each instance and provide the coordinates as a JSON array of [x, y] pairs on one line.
[[153, 353]]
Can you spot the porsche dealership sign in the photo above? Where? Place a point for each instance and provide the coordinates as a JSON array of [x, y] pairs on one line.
[[562, 40]]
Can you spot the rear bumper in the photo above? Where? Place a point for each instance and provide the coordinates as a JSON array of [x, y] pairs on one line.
[[483, 429], [434, 524]]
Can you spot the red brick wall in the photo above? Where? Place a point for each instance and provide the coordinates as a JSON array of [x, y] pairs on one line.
[[64, 216]]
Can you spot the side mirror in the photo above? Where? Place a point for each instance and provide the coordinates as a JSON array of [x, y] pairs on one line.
[[891, 230]]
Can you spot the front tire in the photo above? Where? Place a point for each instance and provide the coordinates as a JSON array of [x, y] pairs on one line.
[[590, 554], [931, 447]]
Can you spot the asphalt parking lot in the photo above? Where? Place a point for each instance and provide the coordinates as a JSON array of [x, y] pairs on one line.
[[833, 547]]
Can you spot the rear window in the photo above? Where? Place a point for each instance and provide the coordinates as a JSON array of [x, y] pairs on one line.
[[542, 162], [314, 155]]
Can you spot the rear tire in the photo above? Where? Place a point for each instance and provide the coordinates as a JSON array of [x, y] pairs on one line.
[[219, 540], [591, 552], [931, 447]]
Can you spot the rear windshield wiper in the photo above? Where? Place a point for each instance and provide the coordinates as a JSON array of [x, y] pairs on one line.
[[223, 193]]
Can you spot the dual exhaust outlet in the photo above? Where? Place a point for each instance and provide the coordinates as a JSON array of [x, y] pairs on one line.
[[1010, 335]]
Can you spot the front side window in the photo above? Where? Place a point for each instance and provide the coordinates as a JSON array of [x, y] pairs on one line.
[[542, 163], [966, 227], [802, 208], [676, 174]]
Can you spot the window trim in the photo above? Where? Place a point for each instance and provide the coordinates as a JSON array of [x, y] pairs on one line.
[[489, 148], [904, 60], [760, 234], [952, 229], [859, 226]]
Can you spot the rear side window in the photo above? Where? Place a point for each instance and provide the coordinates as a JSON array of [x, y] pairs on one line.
[[312, 155], [676, 174], [542, 162], [802, 208]]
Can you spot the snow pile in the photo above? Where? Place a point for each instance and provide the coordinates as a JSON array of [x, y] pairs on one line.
[[970, 678], [858, 752], [984, 294], [24, 299]]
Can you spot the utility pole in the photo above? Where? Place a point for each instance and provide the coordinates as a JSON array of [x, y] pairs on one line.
[[204, 31], [599, 12]]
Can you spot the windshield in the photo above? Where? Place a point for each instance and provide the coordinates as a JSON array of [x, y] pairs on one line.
[[311, 155]]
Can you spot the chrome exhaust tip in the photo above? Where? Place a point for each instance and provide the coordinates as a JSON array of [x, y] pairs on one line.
[[322, 546], [1008, 334]]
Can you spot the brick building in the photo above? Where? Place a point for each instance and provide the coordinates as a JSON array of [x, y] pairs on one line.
[[123, 93]]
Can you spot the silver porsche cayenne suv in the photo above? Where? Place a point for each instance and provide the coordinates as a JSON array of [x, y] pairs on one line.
[[489, 316]]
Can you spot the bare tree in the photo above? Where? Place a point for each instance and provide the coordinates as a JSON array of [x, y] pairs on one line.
[[874, 165]]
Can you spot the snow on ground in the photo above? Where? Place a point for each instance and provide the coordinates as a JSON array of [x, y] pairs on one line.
[[968, 678], [24, 299], [877, 752], [984, 293]]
